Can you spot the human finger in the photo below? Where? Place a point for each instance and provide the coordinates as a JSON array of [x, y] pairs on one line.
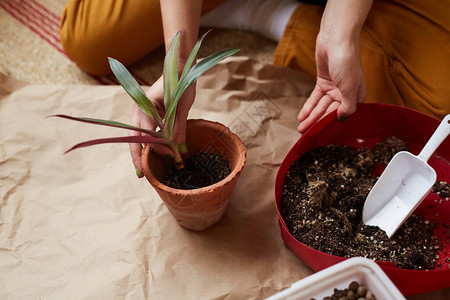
[[333, 106], [347, 106], [310, 103], [350, 86], [362, 93], [136, 148], [318, 112]]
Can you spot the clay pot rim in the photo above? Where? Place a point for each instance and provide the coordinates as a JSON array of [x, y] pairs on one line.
[[239, 165]]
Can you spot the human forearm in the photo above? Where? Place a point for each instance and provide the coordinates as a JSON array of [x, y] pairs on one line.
[[337, 47], [343, 19], [181, 14], [340, 82]]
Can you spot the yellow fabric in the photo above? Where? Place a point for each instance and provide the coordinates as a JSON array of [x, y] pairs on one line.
[[404, 50], [92, 30]]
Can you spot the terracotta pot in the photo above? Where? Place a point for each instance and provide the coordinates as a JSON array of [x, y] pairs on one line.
[[201, 208], [369, 125]]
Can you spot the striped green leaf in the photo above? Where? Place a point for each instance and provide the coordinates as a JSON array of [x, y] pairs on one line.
[[193, 55], [170, 72], [125, 139], [134, 89], [192, 75]]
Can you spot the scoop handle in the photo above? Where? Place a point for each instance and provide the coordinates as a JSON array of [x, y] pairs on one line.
[[436, 139]]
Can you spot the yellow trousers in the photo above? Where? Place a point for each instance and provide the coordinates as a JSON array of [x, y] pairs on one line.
[[404, 44], [92, 30]]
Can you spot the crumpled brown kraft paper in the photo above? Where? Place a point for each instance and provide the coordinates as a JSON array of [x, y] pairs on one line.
[[83, 226]]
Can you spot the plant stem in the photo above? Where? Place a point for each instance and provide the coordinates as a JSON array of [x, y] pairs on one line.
[[179, 163], [159, 121]]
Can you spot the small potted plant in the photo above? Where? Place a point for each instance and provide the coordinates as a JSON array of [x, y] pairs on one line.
[[195, 207]]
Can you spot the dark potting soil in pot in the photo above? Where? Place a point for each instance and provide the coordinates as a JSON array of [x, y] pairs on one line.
[[323, 197], [201, 169]]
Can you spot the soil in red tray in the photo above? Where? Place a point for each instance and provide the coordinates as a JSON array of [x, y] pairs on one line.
[[322, 201], [201, 169]]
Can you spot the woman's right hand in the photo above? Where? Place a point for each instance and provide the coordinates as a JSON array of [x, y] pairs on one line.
[[340, 83], [340, 80]]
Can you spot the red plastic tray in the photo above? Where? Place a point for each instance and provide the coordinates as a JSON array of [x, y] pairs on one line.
[[368, 126]]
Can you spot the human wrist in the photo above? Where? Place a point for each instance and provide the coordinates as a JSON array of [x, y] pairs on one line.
[[342, 20], [336, 46], [181, 15]]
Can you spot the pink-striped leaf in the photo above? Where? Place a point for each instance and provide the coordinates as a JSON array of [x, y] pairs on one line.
[[146, 139], [110, 124]]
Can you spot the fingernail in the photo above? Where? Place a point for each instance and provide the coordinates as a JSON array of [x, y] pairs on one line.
[[343, 118], [138, 173], [183, 147]]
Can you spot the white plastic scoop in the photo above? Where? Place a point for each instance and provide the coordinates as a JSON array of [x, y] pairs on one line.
[[403, 185]]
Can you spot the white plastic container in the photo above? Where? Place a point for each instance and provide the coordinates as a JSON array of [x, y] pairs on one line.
[[323, 283]]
